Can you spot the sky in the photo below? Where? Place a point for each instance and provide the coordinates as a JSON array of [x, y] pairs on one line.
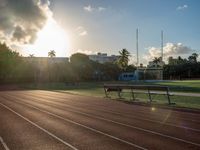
[[107, 26]]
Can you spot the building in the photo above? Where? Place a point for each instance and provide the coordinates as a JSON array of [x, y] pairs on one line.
[[50, 60], [158, 64], [149, 73], [103, 58], [127, 76], [154, 71]]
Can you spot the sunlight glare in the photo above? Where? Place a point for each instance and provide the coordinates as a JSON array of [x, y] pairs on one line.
[[51, 37], [153, 108]]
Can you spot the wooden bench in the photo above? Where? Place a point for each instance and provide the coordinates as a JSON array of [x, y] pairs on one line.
[[146, 89]]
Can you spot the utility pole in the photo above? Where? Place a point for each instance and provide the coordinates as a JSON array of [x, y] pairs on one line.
[[137, 46], [162, 45], [161, 72]]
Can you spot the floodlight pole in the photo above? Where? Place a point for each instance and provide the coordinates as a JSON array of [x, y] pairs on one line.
[[162, 45], [161, 75], [137, 46]]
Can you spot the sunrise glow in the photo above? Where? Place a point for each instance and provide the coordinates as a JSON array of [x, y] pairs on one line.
[[51, 37]]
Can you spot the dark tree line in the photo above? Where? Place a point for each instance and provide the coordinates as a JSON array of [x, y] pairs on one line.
[[15, 68], [179, 68]]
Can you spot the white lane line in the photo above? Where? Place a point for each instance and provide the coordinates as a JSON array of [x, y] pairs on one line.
[[138, 128], [34, 124], [130, 126], [89, 128], [73, 107], [63, 98], [134, 127], [4, 144]]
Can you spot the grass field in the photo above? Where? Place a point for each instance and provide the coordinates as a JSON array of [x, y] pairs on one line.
[[96, 89], [182, 86]]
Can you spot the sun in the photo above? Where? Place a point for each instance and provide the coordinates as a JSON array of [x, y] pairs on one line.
[[51, 37]]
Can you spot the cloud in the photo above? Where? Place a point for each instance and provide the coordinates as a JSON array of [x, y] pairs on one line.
[[87, 52], [23, 36], [132, 59], [182, 7], [170, 49], [81, 31], [21, 20], [89, 8], [176, 49], [101, 9]]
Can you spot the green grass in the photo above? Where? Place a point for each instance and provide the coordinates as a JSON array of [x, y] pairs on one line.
[[181, 101], [182, 86], [96, 89]]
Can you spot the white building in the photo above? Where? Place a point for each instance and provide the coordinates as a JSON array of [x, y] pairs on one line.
[[159, 64], [149, 73], [51, 60], [103, 58]]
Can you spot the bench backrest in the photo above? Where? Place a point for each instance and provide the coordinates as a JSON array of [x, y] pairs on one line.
[[137, 87]]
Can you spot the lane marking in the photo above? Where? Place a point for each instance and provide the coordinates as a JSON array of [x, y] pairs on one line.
[[138, 128], [46, 95], [34, 124], [74, 107], [64, 94], [89, 128], [4, 144], [58, 95]]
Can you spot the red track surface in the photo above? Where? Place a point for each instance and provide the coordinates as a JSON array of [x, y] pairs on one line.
[[51, 120]]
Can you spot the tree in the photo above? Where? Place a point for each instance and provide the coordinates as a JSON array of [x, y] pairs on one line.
[[9, 61], [123, 59], [79, 58], [193, 58], [52, 53], [181, 68], [110, 71], [81, 67], [176, 61], [171, 60], [157, 60], [31, 55]]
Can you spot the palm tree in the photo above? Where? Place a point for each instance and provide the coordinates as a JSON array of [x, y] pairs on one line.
[[157, 60], [193, 58], [51, 53], [31, 55], [123, 59]]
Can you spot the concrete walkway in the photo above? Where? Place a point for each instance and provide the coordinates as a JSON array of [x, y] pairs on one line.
[[187, 94]]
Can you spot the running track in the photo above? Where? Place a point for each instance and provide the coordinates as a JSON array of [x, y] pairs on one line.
[[44, 120]]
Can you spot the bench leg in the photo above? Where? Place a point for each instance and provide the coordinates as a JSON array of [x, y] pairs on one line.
[[119, 93], [150, 98], [133, 95], [106, 92], [168, 97], [169, 102]]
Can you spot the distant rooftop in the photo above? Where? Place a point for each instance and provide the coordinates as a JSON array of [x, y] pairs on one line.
[[49, 59], [103, 57]]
